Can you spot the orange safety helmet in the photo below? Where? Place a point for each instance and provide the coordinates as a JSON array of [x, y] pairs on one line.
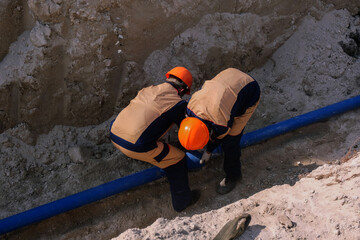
[[183, 74], [193, 133]]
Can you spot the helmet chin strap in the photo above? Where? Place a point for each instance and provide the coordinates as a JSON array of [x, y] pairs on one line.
[[181, 92], [180, 89]]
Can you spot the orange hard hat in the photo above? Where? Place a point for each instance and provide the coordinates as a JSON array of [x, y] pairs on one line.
[[183, 74], [193, 133]]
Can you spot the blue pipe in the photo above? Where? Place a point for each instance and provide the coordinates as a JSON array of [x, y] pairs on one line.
[[318, 115], [151, 174], [79, 199]]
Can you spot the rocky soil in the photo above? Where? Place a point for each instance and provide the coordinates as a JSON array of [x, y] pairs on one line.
[[69, 66], [325, 204]]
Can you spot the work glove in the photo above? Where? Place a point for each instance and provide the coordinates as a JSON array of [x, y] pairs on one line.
[[205, 157]]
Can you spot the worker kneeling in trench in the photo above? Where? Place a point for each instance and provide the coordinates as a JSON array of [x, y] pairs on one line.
[[138, 128]]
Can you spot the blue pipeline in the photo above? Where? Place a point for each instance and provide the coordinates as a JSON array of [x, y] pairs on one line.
[[291, 124], [79, 199], [151, 174]]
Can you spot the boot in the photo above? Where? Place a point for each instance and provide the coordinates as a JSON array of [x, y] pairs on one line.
[[181, 195], [227, 185]]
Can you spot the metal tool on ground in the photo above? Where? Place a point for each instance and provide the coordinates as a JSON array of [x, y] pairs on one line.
[[234, 228]]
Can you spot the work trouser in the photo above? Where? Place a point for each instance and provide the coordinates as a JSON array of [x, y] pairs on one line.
[[232, 152], [172, 160], [164, 155], [177, 176], [231, 144]]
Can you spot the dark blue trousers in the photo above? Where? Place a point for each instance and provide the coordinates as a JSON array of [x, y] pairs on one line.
[[232, 153], [177, 176]]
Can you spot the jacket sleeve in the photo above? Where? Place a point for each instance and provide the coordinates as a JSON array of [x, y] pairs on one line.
[[179, 112], [217, 134], [212, 144]]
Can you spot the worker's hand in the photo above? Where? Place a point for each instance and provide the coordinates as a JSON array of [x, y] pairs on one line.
[[205, 157]]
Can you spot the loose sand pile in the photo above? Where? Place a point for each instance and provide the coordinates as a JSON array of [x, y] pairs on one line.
[[323, 205]]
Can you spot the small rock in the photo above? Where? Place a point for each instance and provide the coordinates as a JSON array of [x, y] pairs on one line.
[[285, 221], [40, 35], [337, 162], [107, 62], [22, 131], [78, 154]]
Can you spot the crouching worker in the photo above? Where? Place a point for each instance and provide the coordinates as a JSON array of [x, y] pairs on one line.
[[219, 111], [138, 128]]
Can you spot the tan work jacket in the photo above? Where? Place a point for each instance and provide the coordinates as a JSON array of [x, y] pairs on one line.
[[215, 101]]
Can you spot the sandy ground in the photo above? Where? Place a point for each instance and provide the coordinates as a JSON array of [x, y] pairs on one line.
[[324, 204]]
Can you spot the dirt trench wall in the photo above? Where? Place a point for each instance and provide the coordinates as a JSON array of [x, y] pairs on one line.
[[74, 62], [11, 24]]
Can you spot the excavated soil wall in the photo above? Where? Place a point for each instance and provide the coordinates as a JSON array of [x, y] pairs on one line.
[[74, 62]]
